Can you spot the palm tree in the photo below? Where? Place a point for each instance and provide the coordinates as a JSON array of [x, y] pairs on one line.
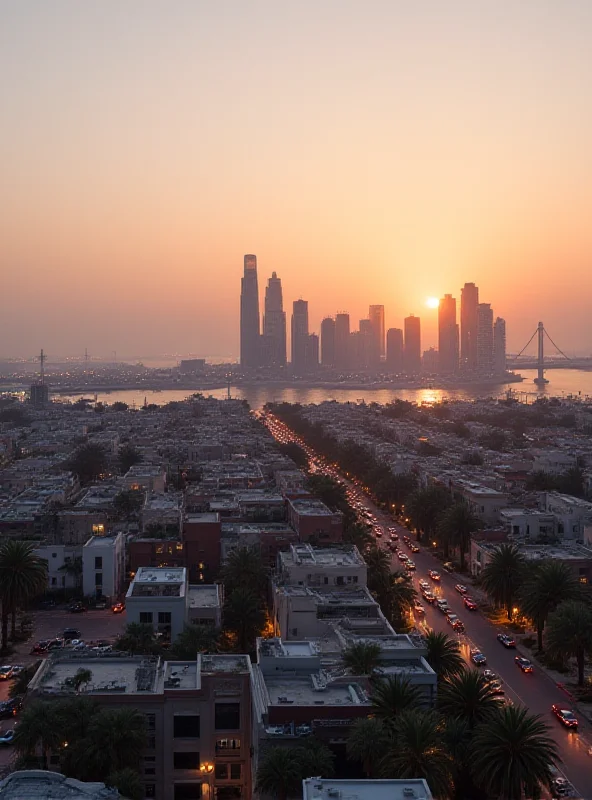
[[82, 678], [245, 617], [22, 576], [368, 742], [379, 567], [361, 658], [393, 695], [244, 569], [128, 783], [116, 740], [456, 738], [418, 752], [443, 654], [397, 597], [467, 696], [138, 637], [551, 584], [456, 526], [316, 759], [425, 507], [77, 714], [503, 576], [569, 633], [73, 567], [513, 753], [40, 727], [194, 639], [279, 772]]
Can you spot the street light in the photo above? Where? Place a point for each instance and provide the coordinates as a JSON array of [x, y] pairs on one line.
[[207, 770]]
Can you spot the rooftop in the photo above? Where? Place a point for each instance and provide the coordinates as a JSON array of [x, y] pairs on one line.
[[160, 575], [181, 675], [395, 789], [304, 554], [311, 507], [204, 596], [116, 674], [102, 541], [313, 690], [39, 784]]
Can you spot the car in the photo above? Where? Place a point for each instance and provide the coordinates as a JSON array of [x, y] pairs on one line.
[[470, 603], [442, 605], [7, 737], [76, 608], [434, 575], [418, 608], [429, 597], [410, 565], [16, 671], [507, 641], [39, 648], [478, 658], [524, 664], [378, 532], [448, 566], [489, 675], [461, 589], [456, 623], [423, 584], [118, 608], [394, 536], [402, 557], [5, 673], [566, 717], [71, 633], [10, 708], [414, 548]]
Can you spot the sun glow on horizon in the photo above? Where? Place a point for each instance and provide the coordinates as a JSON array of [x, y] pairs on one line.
[[432, 302]]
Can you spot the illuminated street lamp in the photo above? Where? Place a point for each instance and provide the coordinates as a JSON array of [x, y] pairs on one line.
[[207, 770]]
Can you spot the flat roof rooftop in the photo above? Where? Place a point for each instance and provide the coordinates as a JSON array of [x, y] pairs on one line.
[[109, 675], [204, 596], [312, 507], [160, 575], [391, 789], [312, 691], [305, 555]]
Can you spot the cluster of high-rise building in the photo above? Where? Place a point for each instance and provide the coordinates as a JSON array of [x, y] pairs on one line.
[[476, 346]]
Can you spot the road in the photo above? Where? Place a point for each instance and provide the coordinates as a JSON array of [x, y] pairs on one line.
[[536, 691]]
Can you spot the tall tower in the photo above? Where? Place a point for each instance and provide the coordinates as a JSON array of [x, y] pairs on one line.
[[274, 324], [394, 350], [485, 338], [376, 317], [299, 336], [469, 300], [412, 353], [249, 315], [328, 342], [447, 336], [499, 346], [342, 360]]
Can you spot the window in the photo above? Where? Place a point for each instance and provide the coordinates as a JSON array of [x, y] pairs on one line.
[[179, 546], [146, 617], [235, 772], [100, 529], [54, 581], [221, 772], [151, 722], [150, 790], [186, 726], [186, 760], [187, 791], [159, 549], [98, 578], [151, 743], [98, 562], [54, 555], [164, 617], [228, 744], [149, 770]]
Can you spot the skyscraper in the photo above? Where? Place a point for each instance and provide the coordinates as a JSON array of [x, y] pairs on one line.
[[274, 324], [312, 352], [328, 342], [299, 336], [447, 336], [394, 350], [376, 317], [412, 352], [249, 315], [499, 346], [485, 338], [469, 300], [342, 360]]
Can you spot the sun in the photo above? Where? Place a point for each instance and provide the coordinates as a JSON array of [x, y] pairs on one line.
[[432, 302]]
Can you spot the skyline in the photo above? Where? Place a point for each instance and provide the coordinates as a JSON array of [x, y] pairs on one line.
[[382, 153]]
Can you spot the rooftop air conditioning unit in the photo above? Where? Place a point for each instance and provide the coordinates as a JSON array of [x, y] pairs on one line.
[[408, 791], [333, 793]]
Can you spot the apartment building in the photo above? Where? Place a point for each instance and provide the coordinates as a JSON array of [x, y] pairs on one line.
[[304, 565], [313, 521], [103, 566]]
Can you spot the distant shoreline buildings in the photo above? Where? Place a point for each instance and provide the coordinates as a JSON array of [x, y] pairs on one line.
[[475, 346]]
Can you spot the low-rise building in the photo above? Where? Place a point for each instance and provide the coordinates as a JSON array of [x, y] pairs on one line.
[[572, 513], [64, 565], [576, 557], [205, 605], [39, 784], [103, 566], [163, 511], [150, 477], [368, 789], [158, 597], [526, 523], [314, 522], [304, 565]]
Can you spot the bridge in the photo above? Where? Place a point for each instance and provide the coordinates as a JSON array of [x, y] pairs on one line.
[[541, 364]]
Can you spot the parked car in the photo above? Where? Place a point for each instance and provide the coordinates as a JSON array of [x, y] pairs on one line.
[[524, 664], [71, 633], [496, 688], [410, 565], [55, 644], [461, 589], [5, 672], [10, 708], [566, 717], [7, 737], [448, 566], [414, 548], [434, 575], [506, 640], [478, 658], [76, 608], [39, 648], [470, 604], [489, 675], [118, 608], [16, 671]]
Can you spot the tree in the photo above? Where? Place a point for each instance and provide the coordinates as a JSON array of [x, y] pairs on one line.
[[245, 617], [194, 639], [128, 502], [396, 598], [39, 728], [379, 567], [22, 576], [138, 637], [82, 678], [503, 576], [88, 462], [512, 754], [127, 457], [418, 752], [443, 654], [393, 695], [279, 772], [549, 585], [425, 507], [359, 535], [361, 658], [116, 740], [468, 696], [316, 759], [73, 567], [128, 783], [368, 742], [119, 406], [244, 569], [456, 526], [569, 633], [295, 453]]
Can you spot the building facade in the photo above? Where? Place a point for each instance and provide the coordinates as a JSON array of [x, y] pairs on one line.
[[299, 336], [485, 338], [249, 314], [447, 336], [499, 346], [376, 317], [469, 300], [412, 353], [328, 342], [274, 324], [394, 350]]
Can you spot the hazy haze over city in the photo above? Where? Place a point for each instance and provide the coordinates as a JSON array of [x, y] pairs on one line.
[[369, 152]]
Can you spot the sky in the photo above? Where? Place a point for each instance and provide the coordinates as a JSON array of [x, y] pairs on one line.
[[369, 151]]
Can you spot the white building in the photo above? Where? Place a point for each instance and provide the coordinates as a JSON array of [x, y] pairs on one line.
[[303, 565], [164, 510], [366, 789], [103, 566], [158, 596], [572, 513], [204, 605], [527, 523], [485, 502], [62, 572]]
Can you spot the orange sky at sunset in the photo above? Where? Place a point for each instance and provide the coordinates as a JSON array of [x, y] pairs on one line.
[[369, 152]]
